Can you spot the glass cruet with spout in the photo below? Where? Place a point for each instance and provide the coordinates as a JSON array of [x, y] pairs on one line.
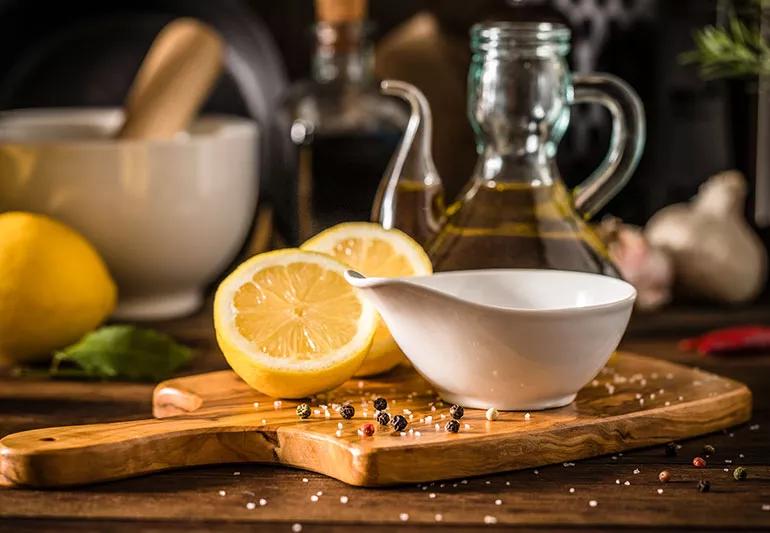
[[410, 196], [515, 211]]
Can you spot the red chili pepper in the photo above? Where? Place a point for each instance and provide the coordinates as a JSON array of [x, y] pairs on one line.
[[730, 340]]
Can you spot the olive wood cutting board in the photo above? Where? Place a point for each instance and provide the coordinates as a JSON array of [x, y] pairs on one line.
[[213, 418]]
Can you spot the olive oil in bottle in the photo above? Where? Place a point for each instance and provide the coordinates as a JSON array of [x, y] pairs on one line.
[[516, 224]]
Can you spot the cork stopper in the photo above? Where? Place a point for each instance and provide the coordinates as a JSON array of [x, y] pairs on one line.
[[338, 11]]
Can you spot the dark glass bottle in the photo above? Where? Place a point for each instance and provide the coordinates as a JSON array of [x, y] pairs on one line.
[[344, 129]]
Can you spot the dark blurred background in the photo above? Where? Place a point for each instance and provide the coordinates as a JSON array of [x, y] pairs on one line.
[[695, 128]]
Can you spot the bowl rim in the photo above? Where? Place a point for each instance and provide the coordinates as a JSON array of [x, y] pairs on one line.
[[111, 118], [627, 300]]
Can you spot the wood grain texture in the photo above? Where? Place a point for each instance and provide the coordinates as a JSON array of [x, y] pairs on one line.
[[212, 418]]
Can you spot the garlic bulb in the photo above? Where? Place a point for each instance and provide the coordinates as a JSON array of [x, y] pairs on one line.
[[716, 254], [649, 269]]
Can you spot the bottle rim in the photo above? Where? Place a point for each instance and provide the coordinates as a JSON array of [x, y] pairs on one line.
[[505, 35]]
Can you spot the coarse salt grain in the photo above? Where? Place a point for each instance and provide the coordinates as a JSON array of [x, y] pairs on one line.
[[467, 426], [498, 502], [262, 502], [617, 482], [636, 470], [593, 503], [404, 517], [222, 493], [296, 528], [527, 416], [432, 495], [753, 427], [236, 473], [256, 405], [338, 433], [438, 517], [304, 480], [489, 519], [766, 506], [313, 498], [277, 404], [344, 499], [251, 506], [572, 490], [626, 483], [660, 491], [319, 493]]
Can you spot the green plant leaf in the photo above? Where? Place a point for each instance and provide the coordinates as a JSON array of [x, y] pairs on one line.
[[121, 352]]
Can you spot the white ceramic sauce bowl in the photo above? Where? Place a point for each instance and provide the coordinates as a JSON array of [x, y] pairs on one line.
[[510, 339], [167, 216]]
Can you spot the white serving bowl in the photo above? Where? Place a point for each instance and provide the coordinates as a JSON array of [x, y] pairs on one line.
[[167, 216], [510, 339]]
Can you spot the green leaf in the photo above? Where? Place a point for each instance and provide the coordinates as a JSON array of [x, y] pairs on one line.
[[121, 352]]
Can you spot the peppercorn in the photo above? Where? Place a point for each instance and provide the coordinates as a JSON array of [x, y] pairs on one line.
[[368, 429], [303, 410], [380, 404], [383, 418], [708, 450], [704, 485], [699, 462], [740, 473], [399, 423], [453, 425], [456, 412], [347, 411], [664, 476], [671, 449]]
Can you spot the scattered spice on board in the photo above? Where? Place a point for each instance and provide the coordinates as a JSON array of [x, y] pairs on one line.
[[303, 410], [453, 426], [399, 423], [699, 462], [740, 473], [708, 450], [664, 476], [383, 418], [347, 411], [704, 485], [456, 412], [491, 414], [380, 404]]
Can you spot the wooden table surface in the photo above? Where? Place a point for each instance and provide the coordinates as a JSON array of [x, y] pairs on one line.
[[625, 488]]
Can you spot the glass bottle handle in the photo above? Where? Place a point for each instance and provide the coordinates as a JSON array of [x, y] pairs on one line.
[[626, 141]]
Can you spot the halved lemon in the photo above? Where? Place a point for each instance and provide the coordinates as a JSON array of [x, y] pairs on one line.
[[290, 325], [374, 251]]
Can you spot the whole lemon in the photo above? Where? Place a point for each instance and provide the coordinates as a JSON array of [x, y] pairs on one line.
[[54, 287]]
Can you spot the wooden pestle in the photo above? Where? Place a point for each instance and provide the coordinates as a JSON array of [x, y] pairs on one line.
[[176, 76]]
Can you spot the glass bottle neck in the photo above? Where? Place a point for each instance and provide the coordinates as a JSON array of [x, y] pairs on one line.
[[536, 168], [343, 54]]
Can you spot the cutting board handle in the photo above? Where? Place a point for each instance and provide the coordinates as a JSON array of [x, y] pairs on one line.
[[75, 455]]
